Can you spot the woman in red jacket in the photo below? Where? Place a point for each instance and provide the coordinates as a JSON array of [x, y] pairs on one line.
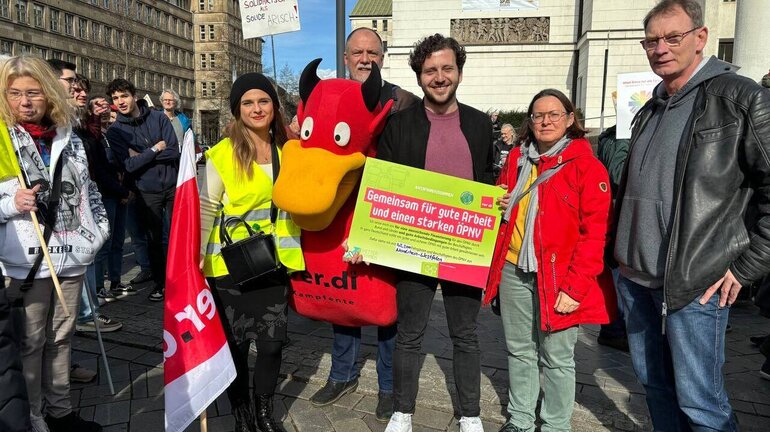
[[548, 261]]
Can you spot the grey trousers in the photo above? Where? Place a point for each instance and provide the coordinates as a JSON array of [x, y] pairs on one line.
[[45, 345]]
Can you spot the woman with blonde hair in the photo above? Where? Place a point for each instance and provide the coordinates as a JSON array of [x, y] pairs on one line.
[[240, 171], [57, 187]]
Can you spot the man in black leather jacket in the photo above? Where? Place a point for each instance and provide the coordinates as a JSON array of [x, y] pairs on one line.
[[699, 151]]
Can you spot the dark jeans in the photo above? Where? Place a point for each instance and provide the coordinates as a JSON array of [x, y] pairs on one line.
[[681, 371], [347, 345], [111, 253], [152, 206], [414, 297], [616, 328], [137, 233]]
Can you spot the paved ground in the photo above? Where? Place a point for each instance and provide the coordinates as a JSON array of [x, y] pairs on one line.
[[608, 396]]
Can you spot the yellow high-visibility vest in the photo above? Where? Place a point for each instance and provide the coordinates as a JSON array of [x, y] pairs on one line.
[[250, 199]]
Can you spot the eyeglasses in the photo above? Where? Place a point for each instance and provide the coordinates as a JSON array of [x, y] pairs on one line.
[[168, 100], [673, 40], [69, 80], [33, 95], [553, 116]]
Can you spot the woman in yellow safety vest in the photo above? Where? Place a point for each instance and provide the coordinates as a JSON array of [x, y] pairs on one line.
[[239, 182]]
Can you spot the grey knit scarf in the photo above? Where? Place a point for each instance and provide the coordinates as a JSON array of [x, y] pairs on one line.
[[530, 157]]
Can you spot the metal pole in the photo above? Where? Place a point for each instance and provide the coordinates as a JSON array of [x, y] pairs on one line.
[[604, 83], [99, 339], [340, 38], [272, 45]]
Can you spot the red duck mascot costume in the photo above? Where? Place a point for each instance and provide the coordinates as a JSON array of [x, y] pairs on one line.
[[318, 184]]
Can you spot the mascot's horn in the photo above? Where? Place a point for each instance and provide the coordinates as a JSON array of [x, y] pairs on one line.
[[371, 88], [309, 80]]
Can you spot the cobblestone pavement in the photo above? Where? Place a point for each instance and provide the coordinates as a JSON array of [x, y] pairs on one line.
[[608, 398]]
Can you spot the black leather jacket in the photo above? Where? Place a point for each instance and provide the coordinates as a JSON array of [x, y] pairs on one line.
[[723, 160]]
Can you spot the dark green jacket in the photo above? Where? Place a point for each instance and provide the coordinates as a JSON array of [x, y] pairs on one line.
[[612, 153]]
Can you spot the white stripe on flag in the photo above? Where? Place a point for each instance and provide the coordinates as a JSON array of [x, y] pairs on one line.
[[186, 159], [190, 394]]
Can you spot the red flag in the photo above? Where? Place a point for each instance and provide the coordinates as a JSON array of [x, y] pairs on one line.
[[198, 366]]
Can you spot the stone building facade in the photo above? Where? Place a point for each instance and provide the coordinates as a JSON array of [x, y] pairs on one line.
[[147, 43], [221, 54], [193, 48], [512, 54]]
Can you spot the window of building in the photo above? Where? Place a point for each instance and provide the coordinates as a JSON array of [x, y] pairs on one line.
[[147, 14], [21, 11], [211, 31], [204, 89], [37, 15], [725, 50], [53, 17], [201, 5], [212, 61], [5, 8], [106, 4], [374, 24], [204, 63], [384, 25], [211, 5], [83, 28], [213, 89], [69, 24], [107, 36], [175, 25], [6, 47], [83, 65], [138, 11], [96, 30], [172, 55], [96, 72], [57, 55], [119, 39], [203, 32], [41, 52], [25, 49], [71, 57], [109, 72]]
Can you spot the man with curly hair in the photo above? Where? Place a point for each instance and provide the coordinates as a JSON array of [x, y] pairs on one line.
[[442, 135]]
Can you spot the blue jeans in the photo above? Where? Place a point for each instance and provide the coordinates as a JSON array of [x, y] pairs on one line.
[[616, 328], [111, 253], [347, 345], [681, 371], [138, 234], [85, 313]]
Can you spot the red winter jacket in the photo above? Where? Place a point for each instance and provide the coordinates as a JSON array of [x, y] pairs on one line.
[[570, 235]]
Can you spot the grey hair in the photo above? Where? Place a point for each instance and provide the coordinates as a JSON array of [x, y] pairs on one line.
[[507, 125], [692, 8], [173, 94]]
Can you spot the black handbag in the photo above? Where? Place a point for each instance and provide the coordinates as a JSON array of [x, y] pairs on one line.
[[250, 258], [256, 255]]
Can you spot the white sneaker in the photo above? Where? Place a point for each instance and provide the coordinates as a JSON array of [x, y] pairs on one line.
[[399, 422], [471, 424]]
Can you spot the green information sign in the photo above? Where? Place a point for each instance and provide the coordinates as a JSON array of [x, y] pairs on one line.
[[425, 222]]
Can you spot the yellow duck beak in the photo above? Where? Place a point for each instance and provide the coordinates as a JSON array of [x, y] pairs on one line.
[[314, 183]]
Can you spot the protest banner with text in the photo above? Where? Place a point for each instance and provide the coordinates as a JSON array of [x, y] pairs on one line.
[[426, 222], [268, 17]]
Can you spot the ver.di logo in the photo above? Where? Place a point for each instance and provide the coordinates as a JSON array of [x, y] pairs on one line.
[[466, 198]]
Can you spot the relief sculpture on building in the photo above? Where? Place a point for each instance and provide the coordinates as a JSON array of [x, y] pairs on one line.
[[500, 31]]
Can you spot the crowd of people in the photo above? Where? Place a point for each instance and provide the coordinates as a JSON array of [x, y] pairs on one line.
[[650, 239]]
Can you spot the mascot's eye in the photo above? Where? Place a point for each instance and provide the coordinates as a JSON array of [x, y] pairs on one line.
[[307, 128], [342, 134]]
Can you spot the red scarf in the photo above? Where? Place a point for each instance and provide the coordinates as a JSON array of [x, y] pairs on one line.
[[39, 131]]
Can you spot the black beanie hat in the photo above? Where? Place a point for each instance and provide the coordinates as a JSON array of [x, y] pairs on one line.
[[250, 81]]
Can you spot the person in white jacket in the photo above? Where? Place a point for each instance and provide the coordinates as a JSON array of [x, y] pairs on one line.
[[53, 161]]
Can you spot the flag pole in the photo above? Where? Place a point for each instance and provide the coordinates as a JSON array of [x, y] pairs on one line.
[[204, 423], [99, 338], [44, 247]]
